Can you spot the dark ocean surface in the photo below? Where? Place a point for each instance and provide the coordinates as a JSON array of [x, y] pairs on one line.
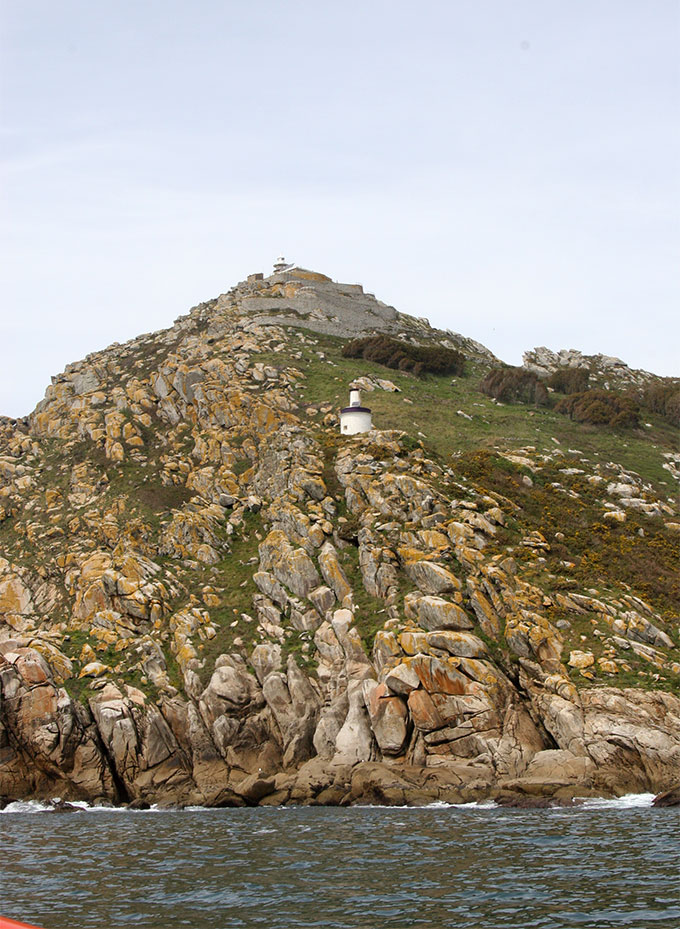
[[606, 863]]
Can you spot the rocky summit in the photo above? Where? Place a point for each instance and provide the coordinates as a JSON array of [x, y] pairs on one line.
[[208, 595]]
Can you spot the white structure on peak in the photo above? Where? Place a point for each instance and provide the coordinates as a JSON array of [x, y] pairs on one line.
[[281, 265], [355, 417]]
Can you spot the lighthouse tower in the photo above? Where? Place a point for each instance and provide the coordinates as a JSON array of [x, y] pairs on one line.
[[355, 417]]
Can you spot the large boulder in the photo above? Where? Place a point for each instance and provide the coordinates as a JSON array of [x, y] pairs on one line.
[[291, 566], [295, 706], [632, 736], [355, 741], [333, 574], [435, 613], [431, 578], [48, 743], [389, 717], [141, 746]]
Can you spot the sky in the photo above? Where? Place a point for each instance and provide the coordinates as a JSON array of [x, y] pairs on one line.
[[510, 170]]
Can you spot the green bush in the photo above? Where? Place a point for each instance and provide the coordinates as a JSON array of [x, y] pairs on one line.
[[509, 384], [402, 356], [600, 408], [569, 380], [664, 398]]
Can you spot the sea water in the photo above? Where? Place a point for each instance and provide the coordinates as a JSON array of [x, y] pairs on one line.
[[601, 864]]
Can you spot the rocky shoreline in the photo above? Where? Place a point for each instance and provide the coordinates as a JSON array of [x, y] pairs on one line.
[[121, 751], [375, 784]]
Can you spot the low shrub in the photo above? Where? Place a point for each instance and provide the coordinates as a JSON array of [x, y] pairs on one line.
[[600, 408], [663, 398], [603, 553], [569, 380], [509, 384], [402, 356]]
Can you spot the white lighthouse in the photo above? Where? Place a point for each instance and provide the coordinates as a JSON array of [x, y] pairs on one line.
[[355, 417], [281, 265]]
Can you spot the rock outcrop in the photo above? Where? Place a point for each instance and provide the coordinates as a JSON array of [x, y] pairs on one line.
[[208, 596], [603, 369]]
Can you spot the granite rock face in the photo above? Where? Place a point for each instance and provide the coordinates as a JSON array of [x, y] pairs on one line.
[[206, 596]]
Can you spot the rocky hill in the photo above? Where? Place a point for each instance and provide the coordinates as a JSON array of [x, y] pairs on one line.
[[604, 370], [208, 595]]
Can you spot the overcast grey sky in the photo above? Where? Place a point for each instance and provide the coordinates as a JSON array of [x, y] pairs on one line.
[[507, 168]]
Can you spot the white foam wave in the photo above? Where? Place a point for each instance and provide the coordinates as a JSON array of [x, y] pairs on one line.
[[27, 806], [470, 805], [414, 808], [629, 801], [54, 805]]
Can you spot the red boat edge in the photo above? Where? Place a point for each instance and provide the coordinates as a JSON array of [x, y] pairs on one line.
[[13, 924]]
